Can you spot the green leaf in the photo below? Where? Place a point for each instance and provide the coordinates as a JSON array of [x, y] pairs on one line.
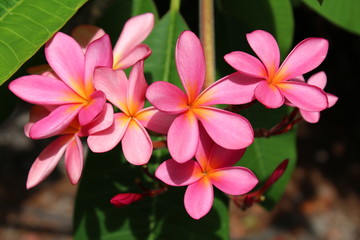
[[25, 25], [160, 66], [161, 217], [265, 154], [344, 13]]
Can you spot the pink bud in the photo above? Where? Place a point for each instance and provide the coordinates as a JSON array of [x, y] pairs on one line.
[[124, 199]]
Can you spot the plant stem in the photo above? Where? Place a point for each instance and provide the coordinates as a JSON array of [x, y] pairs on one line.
[[206, 21], [175, 5]]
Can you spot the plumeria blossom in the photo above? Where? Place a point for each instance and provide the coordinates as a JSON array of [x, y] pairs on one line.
[[227, 129], [272, 84], [129, 48], [319, 79], [68, 144], [68, 86], [129, 126], [213, 167]]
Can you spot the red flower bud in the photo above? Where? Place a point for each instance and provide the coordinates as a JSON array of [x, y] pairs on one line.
[[246, 201], [278, 172], [124, 199]]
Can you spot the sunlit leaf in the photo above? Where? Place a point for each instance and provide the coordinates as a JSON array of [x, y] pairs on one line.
[[25, 25]]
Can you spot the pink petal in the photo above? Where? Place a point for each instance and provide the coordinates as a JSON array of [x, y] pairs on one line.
[[107, 139], [306, 56], [199, 198], [183, 137], [40, 90], [235, 88], [179, 174], [318, 79], [114, 84], [136, 144], [137, 88], [269, 95], [311, 117], [85, 34], [155, 120], [332, 99], [102, 122], [74, 160], [135, 30], [234, 180], [298, 79], [46, 162], [221, 157], [227, 129], [204, 149], [266, 48], [140, 52], [36, 113], [98, 54], [246, 64], [167, 97], [94, 107], [66, 58], [57, 121], [304, 96], [190, 62]]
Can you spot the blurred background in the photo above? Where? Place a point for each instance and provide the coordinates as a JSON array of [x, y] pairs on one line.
[[321, 202]]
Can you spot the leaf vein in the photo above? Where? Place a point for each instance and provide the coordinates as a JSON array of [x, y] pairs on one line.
[[18, 35], [11, 9], [33, 21]]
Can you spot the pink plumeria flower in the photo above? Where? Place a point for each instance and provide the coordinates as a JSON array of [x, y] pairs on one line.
[[213, 166], [227, 129], [319, 79], [271, 84], [129, 48], [129, 126], [68, 85], [67, 143]]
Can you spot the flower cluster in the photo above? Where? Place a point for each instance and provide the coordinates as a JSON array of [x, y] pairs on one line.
[[75, 98]]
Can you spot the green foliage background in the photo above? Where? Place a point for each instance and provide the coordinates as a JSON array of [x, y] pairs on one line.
[[25, 25]]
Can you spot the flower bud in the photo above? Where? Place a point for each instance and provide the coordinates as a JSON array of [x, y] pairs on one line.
[[124, 199]]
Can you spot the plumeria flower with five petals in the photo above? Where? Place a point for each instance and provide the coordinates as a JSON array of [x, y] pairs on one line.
[[272, 84], [68, 86], [129, 125], [213, 166], [68, 143], [227, 129]]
